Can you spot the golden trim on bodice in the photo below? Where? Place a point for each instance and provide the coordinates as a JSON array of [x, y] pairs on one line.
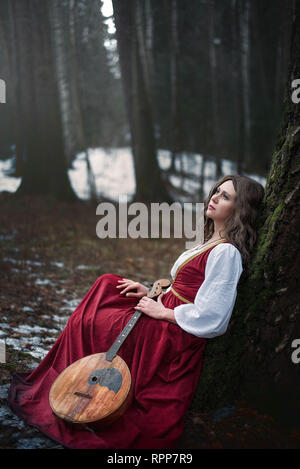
[[205, 248]]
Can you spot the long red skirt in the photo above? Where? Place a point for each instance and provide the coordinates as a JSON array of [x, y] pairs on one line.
[[164, 361]]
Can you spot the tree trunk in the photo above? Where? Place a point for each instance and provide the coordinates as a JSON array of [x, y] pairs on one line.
[[74, 82], [235, 90], [174, 133], [215, 135], [44, 158], [149, 184], [63, 79], [77, 122], [244, 11], [8, 42], [253, 360]]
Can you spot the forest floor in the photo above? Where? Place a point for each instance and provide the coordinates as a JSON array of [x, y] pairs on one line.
[[50, 257]]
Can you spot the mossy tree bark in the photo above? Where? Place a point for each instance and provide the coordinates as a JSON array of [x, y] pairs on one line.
[[253, 362]]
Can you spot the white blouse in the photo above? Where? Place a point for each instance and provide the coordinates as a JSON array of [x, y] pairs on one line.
[[210, 313]]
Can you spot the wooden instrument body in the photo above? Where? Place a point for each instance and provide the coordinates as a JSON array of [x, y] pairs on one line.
[[96, 390], [76, 399]]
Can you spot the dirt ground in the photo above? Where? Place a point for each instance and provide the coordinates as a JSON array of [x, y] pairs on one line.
[[50, 257]]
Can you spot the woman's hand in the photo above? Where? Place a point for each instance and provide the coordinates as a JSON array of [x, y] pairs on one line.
[[129, 285], [155, 309]]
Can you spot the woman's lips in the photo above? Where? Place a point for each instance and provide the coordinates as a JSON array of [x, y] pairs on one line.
[[211, 207]]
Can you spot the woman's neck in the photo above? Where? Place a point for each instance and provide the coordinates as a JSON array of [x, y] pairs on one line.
[[213, 239], [219, 232]]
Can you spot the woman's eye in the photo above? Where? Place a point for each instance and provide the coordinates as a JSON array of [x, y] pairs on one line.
[[224, 195]]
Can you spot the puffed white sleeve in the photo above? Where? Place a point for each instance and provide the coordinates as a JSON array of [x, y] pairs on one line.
[[210, 313]]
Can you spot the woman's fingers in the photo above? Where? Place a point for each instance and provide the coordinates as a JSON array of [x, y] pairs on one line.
[[125, 289], [135, 295], [123, 283], [143, 301], [128, 284]]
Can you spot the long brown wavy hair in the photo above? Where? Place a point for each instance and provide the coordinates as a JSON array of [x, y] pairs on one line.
[[240, 229]]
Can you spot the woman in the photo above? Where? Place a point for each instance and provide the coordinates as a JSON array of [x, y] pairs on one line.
[[164, 351]]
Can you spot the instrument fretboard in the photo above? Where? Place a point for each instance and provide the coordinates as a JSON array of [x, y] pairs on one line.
[[112, 352]]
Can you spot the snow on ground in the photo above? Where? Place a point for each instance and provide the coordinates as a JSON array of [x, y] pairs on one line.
[[114, 172], [31, 338], [36, 341]]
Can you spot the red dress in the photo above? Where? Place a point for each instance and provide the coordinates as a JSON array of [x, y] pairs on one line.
[[164, 361]]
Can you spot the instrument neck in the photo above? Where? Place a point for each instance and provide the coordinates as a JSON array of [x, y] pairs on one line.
[[112, 352]]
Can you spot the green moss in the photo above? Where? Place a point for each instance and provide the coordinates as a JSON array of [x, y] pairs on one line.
[[16, 359]]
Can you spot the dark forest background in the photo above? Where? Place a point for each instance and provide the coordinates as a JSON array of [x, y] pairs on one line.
[[213, 73], [206, 77]]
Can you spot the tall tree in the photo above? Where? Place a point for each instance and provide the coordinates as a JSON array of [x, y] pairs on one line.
[[10, 64], [215, 112], [244, 12], [237, 121], [253, 360], [44, 160], [149, 183], [174, 84], [78, 126], [66, 97]]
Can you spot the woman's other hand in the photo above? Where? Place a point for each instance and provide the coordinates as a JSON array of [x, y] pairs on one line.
[[155, 309], [132, 289]]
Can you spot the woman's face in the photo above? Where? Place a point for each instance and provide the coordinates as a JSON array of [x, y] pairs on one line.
[[221, 204]]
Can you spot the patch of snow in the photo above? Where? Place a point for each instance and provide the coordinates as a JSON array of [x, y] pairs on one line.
[[70, 305], [27, 309], [21, 261], [44, 282], [57, 264]]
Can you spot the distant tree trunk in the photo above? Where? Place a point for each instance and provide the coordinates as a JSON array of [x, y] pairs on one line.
[[236, 87], [61, 56], [149, 183], [244, 12], [144, 53], [174, 134], [44, 169], [78, 126], [74, 85], [149, 38], [215, 137], [253, 360], [9, 32]]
